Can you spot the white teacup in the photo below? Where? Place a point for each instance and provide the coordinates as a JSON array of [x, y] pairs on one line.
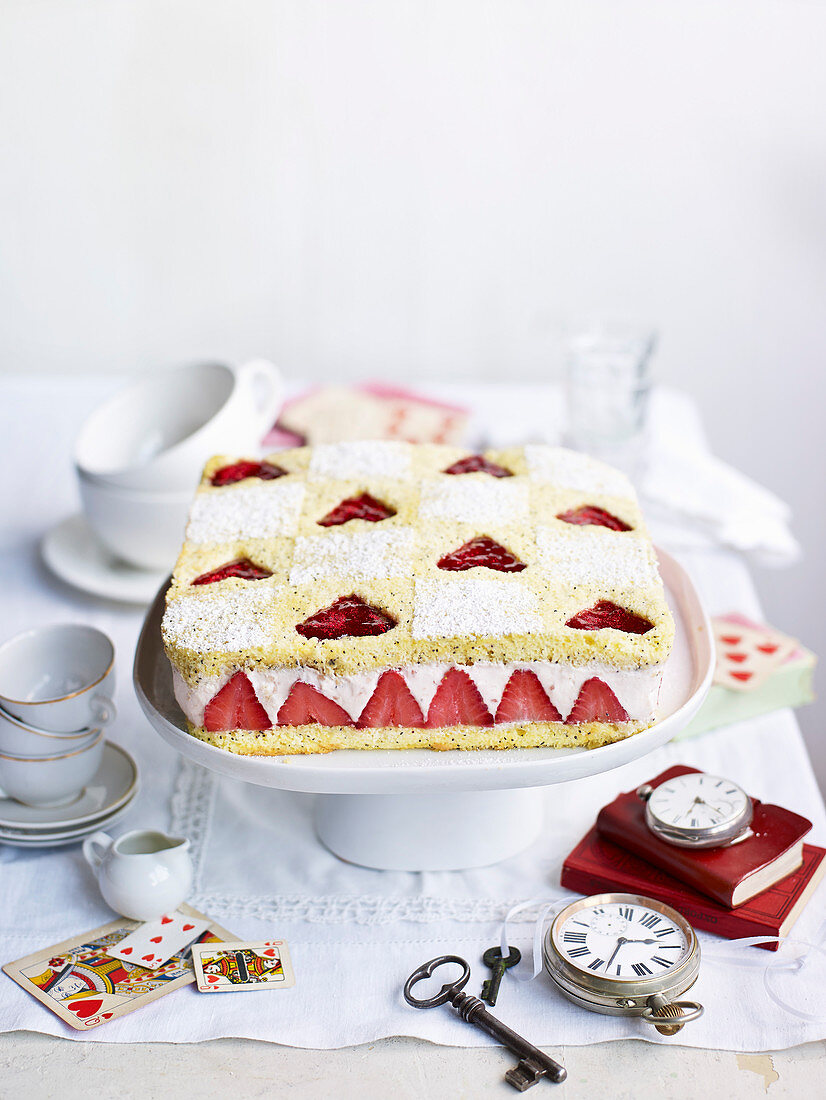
[[59, 678], [50, 780], [145, 529], [20, 739], [157, 435], [143, 874]]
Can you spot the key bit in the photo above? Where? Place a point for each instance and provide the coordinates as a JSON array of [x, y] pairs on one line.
[[492, 959]]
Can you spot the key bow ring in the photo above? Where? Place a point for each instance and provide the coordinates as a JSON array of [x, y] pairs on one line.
[[447, 992]]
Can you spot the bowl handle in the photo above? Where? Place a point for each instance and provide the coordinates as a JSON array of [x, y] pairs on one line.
[[264, 384], [90, 845]]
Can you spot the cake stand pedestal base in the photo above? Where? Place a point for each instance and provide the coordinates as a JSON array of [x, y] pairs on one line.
[[429, 832]]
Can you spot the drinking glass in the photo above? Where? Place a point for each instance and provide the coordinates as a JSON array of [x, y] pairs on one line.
[[607, 385]]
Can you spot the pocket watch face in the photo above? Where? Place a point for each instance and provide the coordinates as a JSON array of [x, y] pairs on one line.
[[697, 801], [622, 940]]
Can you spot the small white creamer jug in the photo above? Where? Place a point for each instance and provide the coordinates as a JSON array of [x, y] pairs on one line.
[[143, 874]]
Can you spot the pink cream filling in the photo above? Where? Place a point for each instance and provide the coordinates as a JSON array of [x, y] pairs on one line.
[[637, 690]]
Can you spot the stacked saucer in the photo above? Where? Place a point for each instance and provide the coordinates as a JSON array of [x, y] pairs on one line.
[[105, 798]]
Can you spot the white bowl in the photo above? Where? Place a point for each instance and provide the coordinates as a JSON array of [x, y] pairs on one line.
[[50, 780], [19, 739], [145, 529], [59, 678], [157, 435]]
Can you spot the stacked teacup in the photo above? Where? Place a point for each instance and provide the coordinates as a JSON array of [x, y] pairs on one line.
[[56, 688], [139, 456]]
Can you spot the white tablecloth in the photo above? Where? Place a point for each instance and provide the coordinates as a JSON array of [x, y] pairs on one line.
[[354, 934]]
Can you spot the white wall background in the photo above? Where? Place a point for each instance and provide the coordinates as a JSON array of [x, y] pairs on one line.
[[416, 188]]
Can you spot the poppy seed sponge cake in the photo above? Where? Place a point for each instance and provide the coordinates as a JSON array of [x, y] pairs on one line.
[[393, 595]]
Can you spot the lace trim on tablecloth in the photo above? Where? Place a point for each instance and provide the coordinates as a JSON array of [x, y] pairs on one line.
[[190, 810], [358, 909]]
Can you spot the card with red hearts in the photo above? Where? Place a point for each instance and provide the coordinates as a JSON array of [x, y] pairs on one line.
[[82, 982], [237, 966], [155, 941], [746, 657]]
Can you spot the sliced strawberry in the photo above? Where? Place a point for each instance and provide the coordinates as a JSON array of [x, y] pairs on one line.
[[363, 507], [475, 464], [236, 707], [596, 703], [242, 568], [237, 471], [391, 704], [482, 552], [348, 617], [306, 704], [457, 702], [525, 700], [606, 614], [590, 514]]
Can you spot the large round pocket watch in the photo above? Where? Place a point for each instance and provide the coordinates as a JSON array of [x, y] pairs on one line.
[[625, 955], [697, 810]]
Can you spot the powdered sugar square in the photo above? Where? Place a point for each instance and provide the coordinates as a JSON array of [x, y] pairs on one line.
[[473, 606], [572, 470], [466, 498], [375, 458], [365, 555], [253, 512], [593, 555], [233, 622]]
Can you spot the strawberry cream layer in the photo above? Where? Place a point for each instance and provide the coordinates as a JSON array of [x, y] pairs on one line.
[[634, 690]]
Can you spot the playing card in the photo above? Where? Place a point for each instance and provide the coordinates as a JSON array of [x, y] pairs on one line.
[[237, 966], [85, 986], [155, 941], [747, 656]]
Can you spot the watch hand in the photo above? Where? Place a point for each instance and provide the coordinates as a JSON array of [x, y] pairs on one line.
[[638, 941], [620, 942]]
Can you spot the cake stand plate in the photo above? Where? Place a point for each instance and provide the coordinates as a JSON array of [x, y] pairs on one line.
[[423, 810]]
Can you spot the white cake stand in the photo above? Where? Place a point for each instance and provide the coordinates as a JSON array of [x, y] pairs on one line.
[[423, 810]]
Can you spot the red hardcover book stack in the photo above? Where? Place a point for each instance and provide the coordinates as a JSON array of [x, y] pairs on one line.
[[599, 864]]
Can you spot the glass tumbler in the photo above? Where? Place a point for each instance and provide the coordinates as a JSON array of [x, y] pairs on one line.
[[607, 384]]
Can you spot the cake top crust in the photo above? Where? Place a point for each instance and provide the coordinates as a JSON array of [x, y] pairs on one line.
[[432, 562]]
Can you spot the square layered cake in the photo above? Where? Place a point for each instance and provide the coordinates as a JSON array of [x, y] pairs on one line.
[[391, 595]]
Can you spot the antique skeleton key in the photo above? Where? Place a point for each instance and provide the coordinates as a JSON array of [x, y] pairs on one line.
[[533, 1063], [492, 959]]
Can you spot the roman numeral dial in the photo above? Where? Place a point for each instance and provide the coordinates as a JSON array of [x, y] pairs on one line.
[[621, 941]]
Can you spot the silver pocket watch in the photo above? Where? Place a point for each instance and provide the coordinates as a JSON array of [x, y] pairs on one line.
[[697, 810], [625, 955]]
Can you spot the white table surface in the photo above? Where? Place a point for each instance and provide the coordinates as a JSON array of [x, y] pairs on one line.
[[41, 419]]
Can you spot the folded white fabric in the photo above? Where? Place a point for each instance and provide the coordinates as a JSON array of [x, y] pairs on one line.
[[690, 496]]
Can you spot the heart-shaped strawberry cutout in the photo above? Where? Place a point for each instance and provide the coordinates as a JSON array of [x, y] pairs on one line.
[[166, 920], [156, 939], [126, 951], [742, 676], [85, 1008], [768, 648], [188, 927], [731, 639], [738, 658]]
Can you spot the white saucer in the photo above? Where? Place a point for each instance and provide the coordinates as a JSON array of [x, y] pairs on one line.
[[73, 553], [110, 788], [63, 836]]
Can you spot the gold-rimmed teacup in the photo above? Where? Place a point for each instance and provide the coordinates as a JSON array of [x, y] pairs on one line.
[[21, 739], [54, 780], [59, 679]]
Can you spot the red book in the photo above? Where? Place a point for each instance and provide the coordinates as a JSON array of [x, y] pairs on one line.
[[732, 874], [597, 866]]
